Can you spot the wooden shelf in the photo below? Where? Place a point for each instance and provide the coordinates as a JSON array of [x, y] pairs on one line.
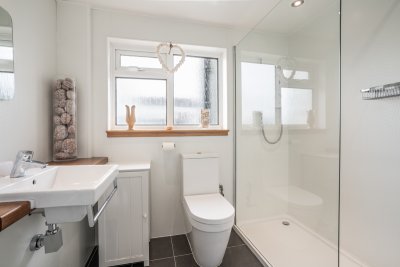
[[165, 133], [10, 212], [81, 161]]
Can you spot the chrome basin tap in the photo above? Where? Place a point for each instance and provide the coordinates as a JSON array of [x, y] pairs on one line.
[[23, 162]]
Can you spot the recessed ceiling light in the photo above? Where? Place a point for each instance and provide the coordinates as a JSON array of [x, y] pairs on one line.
[[297, 3]]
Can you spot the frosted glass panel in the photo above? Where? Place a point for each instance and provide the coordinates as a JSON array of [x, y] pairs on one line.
[[6, 53], [296, 103], [195, 88], [148, 95], [6, 85], [298, 75], [140, 62], [6, 59], [258, 92]]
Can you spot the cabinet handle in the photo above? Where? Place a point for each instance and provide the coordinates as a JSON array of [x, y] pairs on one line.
[[145, 216]]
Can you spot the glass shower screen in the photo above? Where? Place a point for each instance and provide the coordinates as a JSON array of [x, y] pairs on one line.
[[287, 135]]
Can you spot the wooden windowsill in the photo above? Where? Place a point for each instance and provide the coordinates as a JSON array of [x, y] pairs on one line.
[[166, 133], [81, 161]]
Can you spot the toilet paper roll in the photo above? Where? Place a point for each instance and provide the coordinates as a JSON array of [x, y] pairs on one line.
[[168, 146]]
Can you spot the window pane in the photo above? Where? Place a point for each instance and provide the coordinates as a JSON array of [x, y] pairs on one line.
[[258, 92], [195, 88], [140, 62], [148, 95], [6, 53], [298, 75], [301, 75], [296, 103], [6, 85]]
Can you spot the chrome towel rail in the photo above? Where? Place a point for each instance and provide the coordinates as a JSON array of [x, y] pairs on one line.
[[94, 218]]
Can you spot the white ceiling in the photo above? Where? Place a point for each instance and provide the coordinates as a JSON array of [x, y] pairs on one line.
[[286, 19], [228, 13]]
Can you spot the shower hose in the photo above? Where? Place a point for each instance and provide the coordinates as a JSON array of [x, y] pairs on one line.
[[266, 138]]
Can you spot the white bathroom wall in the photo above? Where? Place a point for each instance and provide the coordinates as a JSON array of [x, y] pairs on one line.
[[78, 243], [74, 60], [26, 124], [166, 210], [370, 174]]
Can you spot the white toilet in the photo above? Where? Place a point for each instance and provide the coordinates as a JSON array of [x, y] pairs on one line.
[[209, 215]]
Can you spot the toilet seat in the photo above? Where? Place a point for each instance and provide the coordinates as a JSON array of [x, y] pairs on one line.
[[209, 212]]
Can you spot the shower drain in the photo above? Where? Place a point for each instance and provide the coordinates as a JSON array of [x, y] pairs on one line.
[[286, 223]]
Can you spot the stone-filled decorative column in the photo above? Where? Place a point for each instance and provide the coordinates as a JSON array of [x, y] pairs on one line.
[[64, 120]]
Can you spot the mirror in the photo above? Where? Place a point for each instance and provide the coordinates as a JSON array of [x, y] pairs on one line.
[[6, 56]]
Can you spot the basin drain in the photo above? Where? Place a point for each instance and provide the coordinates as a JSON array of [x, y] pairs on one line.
[[286, 223]]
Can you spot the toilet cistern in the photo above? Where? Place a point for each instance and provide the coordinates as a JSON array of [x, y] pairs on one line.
[[209, 216]]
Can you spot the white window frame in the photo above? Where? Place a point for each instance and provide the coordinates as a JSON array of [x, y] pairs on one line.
[[310, 84], [118, 47]]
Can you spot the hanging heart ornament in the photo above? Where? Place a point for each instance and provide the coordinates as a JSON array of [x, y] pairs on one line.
[[169, 47]]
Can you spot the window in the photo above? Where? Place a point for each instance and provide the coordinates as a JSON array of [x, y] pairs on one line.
[[149, 96], [163, 99], [258, 92], [6, 72], [262, 93], [140, 62], [195, 88], [296, 103]]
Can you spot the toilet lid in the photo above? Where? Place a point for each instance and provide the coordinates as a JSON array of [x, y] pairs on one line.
[[209, 208]]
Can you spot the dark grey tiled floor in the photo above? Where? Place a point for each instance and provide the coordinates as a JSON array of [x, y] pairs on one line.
[[175, 252], [180, 245], [161, 248]]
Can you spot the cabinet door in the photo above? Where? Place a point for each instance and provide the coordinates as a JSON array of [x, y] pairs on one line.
[[123, 227]]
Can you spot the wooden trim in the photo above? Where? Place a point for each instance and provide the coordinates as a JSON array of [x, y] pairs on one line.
[[10, 212], [81, 161], [165, 133]]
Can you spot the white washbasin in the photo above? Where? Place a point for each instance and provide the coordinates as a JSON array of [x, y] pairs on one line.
[[65, 192]]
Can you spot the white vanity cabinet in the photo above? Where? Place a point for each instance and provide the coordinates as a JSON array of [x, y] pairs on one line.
[[124, 226]]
